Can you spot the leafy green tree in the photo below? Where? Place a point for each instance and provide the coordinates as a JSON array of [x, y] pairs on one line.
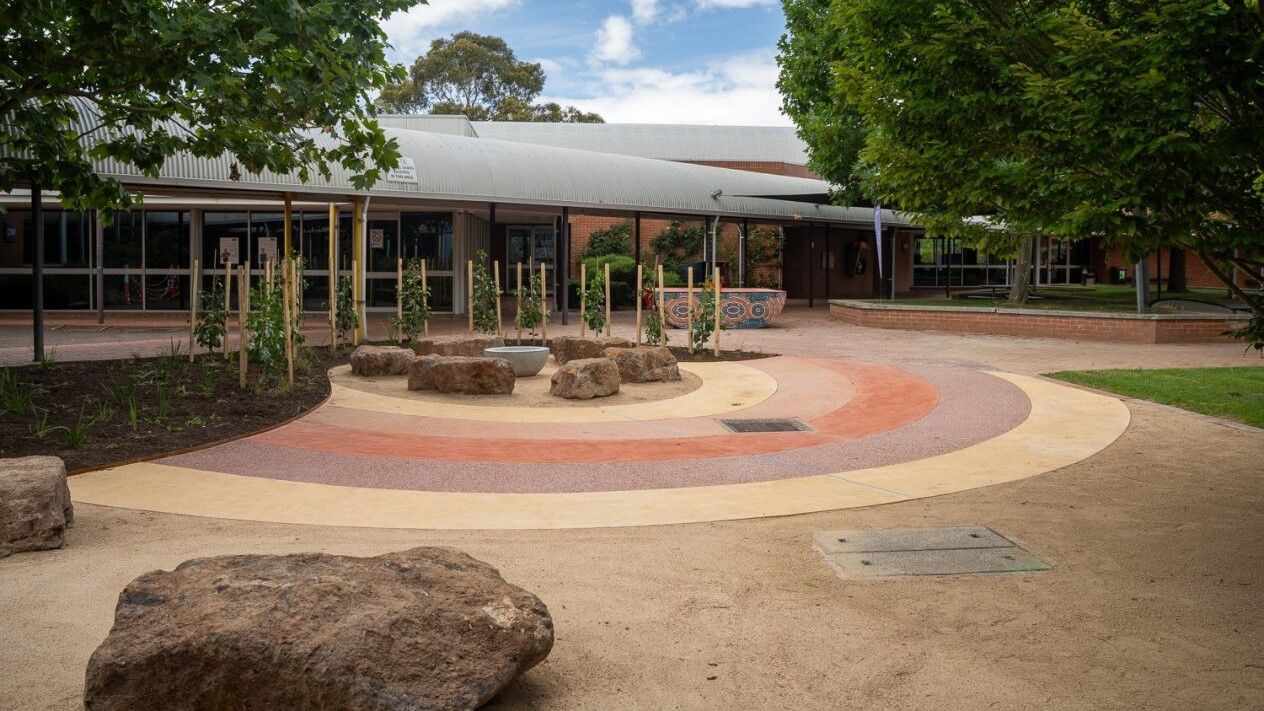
[[266, 81], [615, 239], [477, 76], [1137, 123], [704, 317], [529, 315], [212, 319], [485, 297], [415, 303], [346, 318], [594, 314]]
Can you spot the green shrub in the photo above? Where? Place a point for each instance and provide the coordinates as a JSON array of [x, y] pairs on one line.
[[212, 320], [415, 303], [677, 246], [615, 239], [346, 318], [594, 312], [485, 297], [530, 315]]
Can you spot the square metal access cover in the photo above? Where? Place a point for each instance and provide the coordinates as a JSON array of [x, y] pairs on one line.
[[877, 553], [766, 425]]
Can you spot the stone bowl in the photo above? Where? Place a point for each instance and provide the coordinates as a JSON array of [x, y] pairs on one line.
[[526, 360]]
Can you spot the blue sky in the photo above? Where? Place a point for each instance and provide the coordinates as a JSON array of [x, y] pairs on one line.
[[655, 61]]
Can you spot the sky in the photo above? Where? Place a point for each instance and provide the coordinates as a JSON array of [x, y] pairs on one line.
[[632, 61]]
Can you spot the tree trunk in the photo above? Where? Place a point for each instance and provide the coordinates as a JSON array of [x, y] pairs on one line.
[[1176, 282], [1022, 271]]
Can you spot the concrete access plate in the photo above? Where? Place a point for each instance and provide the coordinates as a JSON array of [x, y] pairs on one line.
[[877, 553]]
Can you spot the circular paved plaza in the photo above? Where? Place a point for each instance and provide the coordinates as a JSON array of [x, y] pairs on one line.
[[379, 455]]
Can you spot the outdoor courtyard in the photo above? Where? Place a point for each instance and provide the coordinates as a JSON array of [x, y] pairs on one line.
[[677, 558]]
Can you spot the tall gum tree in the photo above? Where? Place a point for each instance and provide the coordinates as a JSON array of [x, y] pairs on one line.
[[1140, 123]]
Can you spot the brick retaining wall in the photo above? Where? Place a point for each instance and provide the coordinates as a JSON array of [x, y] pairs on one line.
[[1035, 323]]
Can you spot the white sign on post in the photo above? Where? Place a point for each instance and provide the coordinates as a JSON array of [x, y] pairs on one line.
[[267, 249], [228, 253], [405, 172]]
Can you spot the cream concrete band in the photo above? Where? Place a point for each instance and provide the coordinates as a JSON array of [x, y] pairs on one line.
[[1065, 426], [726, 387]]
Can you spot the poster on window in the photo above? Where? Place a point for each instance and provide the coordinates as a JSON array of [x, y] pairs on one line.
[[228, 250], [267, 249], [377, 238]]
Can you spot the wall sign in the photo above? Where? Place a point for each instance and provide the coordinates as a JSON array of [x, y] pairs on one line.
[[228, 250], [267, 249], [405, 172], [377, 238]]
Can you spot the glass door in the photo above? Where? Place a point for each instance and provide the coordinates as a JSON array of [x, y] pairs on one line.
[[531, 245]]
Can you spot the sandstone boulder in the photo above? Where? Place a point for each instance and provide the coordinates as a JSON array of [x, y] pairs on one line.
[[419, 372], [567, 348], [472, 376], [427, 628], [586, 378], [381, 360], [35, 508], [470, 345], [644, 364]]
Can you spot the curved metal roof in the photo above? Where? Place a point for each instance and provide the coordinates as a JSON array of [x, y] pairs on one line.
[[460, 168]]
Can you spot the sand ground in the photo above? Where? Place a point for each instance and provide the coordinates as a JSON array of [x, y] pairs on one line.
[[1154, 601]]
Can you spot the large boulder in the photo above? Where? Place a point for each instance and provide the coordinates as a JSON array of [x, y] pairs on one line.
[[35, 508], [586, 378], [381, 360], [472, 376], [644, 364], [469, 345], [568, 348], [427, 628], [419, 372]]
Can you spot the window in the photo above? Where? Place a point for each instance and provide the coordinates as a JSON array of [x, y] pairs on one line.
[[428, 236]]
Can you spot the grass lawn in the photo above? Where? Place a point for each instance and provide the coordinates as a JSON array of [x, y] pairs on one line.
[[1103, 297], [1235, 393]]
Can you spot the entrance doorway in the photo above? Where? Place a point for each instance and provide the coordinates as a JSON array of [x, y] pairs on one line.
[[530, 245]]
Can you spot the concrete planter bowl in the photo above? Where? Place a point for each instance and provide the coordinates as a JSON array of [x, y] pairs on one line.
[[526, 360]]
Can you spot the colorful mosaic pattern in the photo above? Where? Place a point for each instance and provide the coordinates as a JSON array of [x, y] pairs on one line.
[[739, 308]]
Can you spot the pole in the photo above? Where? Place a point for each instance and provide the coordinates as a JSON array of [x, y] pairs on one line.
[[636, 250], [425, 298], [194, 297], [228, 304], [399, 290], [287, 293], [811, 272], [562, 275], [357, 266], [662, 309], [637, 292], [583, 299], [37, 271], [518, 302], [741, 252], [544, 304], [496, 276], [609, 326], [717, 312], [100, 281], [689, 309], [288, 229], [243, 305], [333, 275], [469, 292], [356, 335]]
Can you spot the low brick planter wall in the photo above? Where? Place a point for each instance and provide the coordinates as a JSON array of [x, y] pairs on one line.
[[1037, 323]]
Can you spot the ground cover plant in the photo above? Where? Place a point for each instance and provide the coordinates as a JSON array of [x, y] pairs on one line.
[[1235, 393], [96, 413]]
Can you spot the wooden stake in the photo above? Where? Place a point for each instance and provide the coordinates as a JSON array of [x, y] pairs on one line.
[[717, 312], [363, 327], [583, 299], [496, 277], [518, 300], [195, 291], [544, 304], [425, 298], [228, 305], [287, 295], [399, 290], [689, 310], [243, 336], [638, 291], [609, 325], [469, 291], [662, 308]]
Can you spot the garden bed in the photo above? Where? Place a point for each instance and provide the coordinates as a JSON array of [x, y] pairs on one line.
[[95, 414], [707, 355]]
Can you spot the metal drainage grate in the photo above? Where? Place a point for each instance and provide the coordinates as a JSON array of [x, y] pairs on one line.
[[766, 425], [887, 552]]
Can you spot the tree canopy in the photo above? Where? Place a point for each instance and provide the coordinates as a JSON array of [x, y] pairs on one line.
[[1142, 124], [254, 78], [480, 77]]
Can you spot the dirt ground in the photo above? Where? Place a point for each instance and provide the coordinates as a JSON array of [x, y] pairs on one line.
[[1154, 602]]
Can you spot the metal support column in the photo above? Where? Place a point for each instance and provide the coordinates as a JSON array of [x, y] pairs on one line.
[[829, 263], [357, 248], [636, 244], [811, 270], [99, 286], [741, 252], [564, 264], [288, 229]]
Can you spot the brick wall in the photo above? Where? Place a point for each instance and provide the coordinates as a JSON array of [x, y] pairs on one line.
[[1114, 328], [1196, 275]]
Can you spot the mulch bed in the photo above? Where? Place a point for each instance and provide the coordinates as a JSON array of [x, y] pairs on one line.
[[203, 405], [708, 356]]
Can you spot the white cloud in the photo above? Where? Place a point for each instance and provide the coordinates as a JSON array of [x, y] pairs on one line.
[[644, 11], [614, 41], [738, 90], [732, 4], [411, 31]]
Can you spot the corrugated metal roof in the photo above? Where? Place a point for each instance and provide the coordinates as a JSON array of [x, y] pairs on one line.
[[453, 124], [775, 144], [460, 168]]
